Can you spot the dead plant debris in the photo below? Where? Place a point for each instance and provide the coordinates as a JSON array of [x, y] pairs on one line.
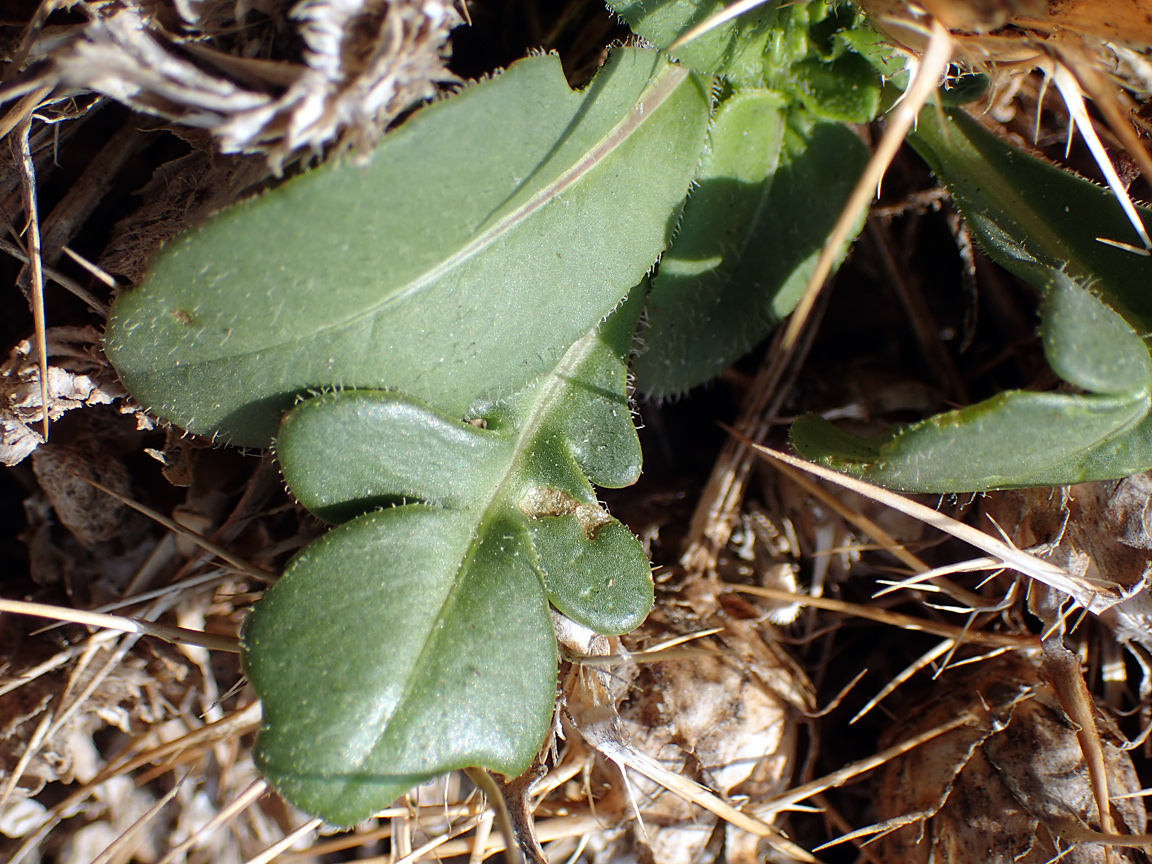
[[824, 678]]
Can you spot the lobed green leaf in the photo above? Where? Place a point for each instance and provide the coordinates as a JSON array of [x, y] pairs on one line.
[[448, 295], [382, 655]]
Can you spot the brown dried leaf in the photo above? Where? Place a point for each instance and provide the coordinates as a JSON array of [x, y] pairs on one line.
[[1097, 531], [77, 376], [719, 710], [135, 695], [62, 471]]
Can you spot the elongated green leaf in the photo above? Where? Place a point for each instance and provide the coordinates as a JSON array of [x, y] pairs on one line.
[[480, 241], [1031, 216], [416, 639], [1018, 438], [751, 233], [1047, 226]]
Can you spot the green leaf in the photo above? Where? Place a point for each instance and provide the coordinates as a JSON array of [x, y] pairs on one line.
[[1031, 216], [768, 194], [878, 51], [381, 662], [1045, 225], [383, 654], [844, 90], [772, 183], [798, 49], [1021, 438], [479, 241], [1089, 345], [735, 49]]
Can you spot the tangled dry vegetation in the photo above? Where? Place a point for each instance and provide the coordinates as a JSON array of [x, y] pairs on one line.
[[818, 662]]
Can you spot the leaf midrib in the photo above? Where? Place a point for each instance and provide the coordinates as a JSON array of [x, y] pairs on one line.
[[665, 84], [551, 385]]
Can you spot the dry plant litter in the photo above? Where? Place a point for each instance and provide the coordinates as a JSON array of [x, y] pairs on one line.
[[117, 748]]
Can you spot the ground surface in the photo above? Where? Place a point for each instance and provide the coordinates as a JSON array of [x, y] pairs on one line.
[[121, 748]]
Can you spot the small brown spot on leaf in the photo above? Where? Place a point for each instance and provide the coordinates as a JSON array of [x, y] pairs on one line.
[[541, 501]]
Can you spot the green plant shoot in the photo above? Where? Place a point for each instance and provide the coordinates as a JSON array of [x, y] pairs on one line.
[[778, 169], [449, 298], [1060, 233]]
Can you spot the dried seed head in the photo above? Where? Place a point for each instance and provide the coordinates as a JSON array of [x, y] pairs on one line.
[[713, 715], [1010, 790], [1100, 531], [363, 63]]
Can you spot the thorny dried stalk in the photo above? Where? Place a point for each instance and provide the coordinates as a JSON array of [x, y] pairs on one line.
[[1058, 817]]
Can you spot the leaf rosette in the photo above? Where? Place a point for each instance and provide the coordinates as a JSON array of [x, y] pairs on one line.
[[451, 298], [776, 172]]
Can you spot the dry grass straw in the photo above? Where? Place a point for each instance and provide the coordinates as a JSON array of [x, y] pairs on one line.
[[566, 814], [582, 803]]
